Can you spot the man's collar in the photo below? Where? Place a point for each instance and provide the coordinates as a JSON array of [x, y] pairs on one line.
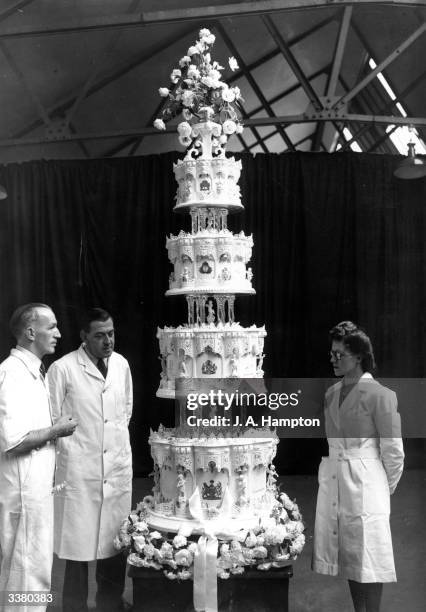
[[32, 358], [92, 358], [31, 361]]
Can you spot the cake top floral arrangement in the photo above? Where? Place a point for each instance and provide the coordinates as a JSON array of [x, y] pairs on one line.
[[199, 94]]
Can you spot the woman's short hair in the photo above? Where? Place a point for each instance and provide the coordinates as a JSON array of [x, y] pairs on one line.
[[356, 340]]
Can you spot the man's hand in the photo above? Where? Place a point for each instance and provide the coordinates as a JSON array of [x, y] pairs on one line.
[[64, 426]]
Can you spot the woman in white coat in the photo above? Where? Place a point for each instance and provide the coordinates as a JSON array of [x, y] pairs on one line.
[[352, 533]]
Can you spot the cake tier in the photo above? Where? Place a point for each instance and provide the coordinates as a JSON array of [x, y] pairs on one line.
[[208, 182], [210, 261], [229, 482], [209, 351]]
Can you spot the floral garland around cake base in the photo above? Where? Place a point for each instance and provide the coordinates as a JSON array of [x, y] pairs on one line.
[[273, 543]]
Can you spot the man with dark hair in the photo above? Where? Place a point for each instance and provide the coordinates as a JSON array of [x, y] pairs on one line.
[[27, 455], [94, 385]]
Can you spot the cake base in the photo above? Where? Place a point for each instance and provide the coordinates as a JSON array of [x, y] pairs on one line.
[[225, 529]]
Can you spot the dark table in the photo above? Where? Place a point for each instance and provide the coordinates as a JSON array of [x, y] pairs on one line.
[[253, 591]]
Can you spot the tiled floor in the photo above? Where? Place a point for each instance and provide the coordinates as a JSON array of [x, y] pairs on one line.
[[311, 592]]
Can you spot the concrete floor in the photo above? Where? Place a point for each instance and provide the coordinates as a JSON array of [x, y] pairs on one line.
[[311, 592]]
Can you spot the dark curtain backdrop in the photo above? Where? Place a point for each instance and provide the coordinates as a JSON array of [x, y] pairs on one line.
[[336, 237]]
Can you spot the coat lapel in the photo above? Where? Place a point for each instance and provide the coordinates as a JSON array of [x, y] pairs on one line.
[[88, 365], [333, 407]]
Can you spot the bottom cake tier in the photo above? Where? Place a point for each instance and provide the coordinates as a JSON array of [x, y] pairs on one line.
[[229, 482]]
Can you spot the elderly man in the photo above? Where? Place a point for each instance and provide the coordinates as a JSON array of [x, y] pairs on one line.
[[93, 384], [27, 459]]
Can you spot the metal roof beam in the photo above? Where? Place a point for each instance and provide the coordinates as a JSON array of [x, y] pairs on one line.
[[381, 140], [379, 68], [339, 51], [64, 105], [388, 107], [12, 10], [292, 62], [400, 96], [294, 41], [98, 63], [204, 13], [257, 90], [335, 71], [257, 122]]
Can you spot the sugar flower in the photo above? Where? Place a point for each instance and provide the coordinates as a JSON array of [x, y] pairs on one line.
[[179, 541], [159, 124], [184, 575], [188, 98], [229, 126], [251, 540], [184, 557], [207, 37], [228, 94], [174, 77], [138, 542], [233, 64]]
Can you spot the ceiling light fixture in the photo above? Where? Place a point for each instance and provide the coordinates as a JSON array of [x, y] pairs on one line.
[[411, 167], [3, 193]]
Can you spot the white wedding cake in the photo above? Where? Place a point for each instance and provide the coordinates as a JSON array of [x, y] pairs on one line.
[[215, 509], [206, 474]]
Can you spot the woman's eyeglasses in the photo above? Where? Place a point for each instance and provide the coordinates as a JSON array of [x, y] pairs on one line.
[[337, 355]]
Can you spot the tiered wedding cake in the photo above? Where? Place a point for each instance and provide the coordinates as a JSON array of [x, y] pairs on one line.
[[210, 475], [214, 487]]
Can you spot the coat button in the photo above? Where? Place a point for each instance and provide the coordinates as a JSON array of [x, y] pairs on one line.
[[105, 481], [105, 451], [106, 421], [334, 476]]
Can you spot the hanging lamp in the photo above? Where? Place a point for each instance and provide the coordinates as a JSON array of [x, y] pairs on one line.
[[411, 167]]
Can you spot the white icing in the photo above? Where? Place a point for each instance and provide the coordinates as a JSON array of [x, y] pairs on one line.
[[208, 182], [211, 466], [211, 260]]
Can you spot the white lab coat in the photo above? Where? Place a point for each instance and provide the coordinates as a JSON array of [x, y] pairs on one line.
[[352, 533], [26, 500], [95, 463]]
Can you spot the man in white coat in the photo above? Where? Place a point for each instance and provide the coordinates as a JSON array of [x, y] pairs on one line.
[[27, 460], [93, 384]]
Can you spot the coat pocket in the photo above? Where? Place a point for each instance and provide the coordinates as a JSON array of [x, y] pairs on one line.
[[323, 470], [375, 488], [24, 467]]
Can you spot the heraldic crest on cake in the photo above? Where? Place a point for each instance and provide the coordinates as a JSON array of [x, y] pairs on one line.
[[210, 480]]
